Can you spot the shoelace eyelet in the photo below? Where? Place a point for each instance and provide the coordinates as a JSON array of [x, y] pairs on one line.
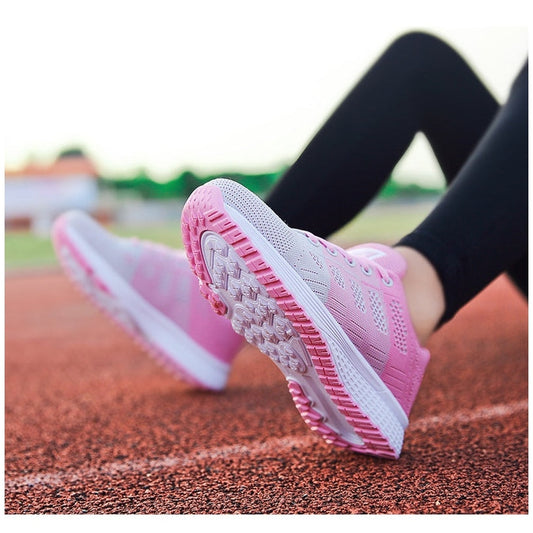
[[350, 262], [387, 282], [332, 252], [311, 240], [367, 271]]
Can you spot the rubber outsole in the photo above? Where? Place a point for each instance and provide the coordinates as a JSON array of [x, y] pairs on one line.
[[240, 284]]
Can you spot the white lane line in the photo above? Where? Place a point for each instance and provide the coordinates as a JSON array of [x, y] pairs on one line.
[[143, 465], [253, 449], [469, 415]]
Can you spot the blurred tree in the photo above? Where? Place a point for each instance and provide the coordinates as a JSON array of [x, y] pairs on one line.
[[71, 152]]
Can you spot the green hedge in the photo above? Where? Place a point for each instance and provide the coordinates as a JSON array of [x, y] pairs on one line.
[[182, 185]]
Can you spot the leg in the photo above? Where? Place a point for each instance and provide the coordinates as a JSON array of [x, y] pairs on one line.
[[418, 84], [479, 229], [424, 293]]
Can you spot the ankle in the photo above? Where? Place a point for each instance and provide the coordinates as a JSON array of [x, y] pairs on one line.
[[424, 293]]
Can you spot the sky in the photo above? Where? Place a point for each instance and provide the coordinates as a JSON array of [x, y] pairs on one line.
[[218, 86]]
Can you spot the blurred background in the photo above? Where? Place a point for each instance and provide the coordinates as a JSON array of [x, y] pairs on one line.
[[123, 108]]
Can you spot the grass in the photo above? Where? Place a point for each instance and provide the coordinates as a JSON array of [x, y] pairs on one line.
[[385, 223], [23, 249]]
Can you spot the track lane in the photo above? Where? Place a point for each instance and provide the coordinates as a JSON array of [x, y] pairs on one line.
[[81, 397]]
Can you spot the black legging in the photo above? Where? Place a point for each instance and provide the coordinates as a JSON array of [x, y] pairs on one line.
[[479, 229]]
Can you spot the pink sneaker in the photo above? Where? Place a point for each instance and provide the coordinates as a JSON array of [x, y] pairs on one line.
[[150, 291], [335, 322]]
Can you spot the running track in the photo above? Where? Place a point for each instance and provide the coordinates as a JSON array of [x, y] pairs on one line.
[[92, 425]]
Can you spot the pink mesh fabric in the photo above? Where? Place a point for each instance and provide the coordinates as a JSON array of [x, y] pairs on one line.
[[163, 277], [375, 317]]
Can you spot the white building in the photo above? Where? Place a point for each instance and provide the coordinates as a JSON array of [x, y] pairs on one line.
[[36, 194]]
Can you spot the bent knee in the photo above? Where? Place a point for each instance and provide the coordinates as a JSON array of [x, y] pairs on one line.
[[419, 45]]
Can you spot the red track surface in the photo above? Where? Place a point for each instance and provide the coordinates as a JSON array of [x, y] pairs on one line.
[[95, 426]]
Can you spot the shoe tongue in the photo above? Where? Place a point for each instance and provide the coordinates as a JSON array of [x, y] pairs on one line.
[[383, 255]]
